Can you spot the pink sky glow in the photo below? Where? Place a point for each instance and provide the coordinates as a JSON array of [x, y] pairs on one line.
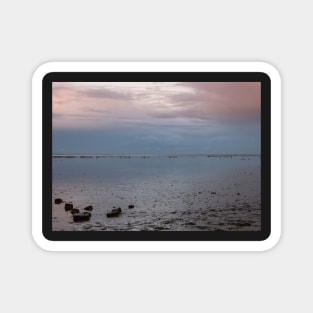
[[126, 104]]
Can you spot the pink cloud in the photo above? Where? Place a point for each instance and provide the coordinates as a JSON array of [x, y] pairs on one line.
[[108, 104]]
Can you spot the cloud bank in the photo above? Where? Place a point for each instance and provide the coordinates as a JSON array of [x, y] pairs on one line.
[[166, 116]]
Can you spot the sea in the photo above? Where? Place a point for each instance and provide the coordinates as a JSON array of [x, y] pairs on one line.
[[167, 192]]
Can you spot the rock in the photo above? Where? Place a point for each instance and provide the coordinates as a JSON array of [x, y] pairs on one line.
[[117, 210], [75, 211], [58, 201], [213, 193], [68, 206], [238, 193], [131, 206], [88, 208], [114, 212], [81, 217]]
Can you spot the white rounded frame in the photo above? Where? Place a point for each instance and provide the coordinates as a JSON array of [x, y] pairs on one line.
[[266, 68]]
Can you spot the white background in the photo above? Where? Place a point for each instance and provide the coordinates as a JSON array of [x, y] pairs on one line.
[[34, 32]]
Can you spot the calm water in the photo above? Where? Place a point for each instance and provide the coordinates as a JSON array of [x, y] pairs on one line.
[[183, 193]]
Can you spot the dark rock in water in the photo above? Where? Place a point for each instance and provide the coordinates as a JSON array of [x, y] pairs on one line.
[[75, 211], [131, 206], [58, 201], [88, 208], [81, 217], [68, 206], [213, 193], [114, 212], [238, 193]]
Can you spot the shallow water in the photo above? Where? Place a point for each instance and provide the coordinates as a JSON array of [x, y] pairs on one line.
[[183, 193]]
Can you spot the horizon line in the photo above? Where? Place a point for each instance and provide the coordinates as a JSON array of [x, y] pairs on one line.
[[154, 155]]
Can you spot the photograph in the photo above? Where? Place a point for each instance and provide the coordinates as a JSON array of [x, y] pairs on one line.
[[156, 156]]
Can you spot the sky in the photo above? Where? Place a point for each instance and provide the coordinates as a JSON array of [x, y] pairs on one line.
[[156, 117]]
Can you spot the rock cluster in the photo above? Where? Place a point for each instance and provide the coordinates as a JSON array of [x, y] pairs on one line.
[[86, 215], [77, 216]]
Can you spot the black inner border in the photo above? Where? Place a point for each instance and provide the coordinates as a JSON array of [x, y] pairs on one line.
[[156, 77]]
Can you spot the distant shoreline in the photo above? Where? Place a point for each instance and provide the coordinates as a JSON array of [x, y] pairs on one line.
[[145, 156]]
